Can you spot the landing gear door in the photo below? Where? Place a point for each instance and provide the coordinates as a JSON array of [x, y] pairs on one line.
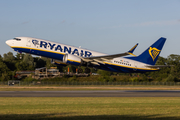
[[28, 44]]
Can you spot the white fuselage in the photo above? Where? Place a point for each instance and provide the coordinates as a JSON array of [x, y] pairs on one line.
[[58, 51]]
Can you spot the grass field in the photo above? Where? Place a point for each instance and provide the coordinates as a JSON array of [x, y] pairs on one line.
[[88, 108]]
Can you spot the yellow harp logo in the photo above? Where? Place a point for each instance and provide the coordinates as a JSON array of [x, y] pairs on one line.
[[154, 52]]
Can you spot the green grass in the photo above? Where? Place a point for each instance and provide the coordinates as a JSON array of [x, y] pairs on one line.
[[81, 108]]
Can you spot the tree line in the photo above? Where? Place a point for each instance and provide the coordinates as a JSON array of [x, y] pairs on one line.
[[9, 64]]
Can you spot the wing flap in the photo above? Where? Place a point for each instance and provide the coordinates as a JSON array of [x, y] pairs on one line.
[[159, 66], [108, 57]]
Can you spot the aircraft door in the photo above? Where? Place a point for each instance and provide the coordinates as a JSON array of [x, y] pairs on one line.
[[28, 44]]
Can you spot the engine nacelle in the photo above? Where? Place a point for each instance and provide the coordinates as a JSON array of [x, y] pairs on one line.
[[68, 59], [58, 62], [71, 59]]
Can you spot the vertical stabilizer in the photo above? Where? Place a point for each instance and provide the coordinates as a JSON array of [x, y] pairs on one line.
[[151, 55]]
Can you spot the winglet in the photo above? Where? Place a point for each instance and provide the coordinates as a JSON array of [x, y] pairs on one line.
[[132, 50]]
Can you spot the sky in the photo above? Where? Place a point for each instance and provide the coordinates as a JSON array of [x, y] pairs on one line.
[[107, 26]]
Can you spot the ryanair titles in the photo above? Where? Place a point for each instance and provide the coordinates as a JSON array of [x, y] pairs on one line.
[[64, 49]]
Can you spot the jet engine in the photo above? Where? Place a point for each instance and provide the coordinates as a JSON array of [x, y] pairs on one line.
[[68, 59]]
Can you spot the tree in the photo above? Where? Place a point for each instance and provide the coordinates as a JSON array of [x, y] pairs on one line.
[[27, 63], [4, 71], [39, 62], [9, 57], [9, 60], [174, 60], [48, 62], [1, 59]]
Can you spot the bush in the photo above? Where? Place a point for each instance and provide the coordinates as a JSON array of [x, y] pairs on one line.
[[134, 79], [103, 72], [158, 78], [71, 79], [170, 78], [4, 77], [29, 79], [106, 79]]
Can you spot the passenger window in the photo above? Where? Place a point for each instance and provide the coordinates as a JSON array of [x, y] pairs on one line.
[[17, 39]]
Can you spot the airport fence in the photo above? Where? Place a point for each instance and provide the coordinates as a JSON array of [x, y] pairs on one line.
[[76, 83]]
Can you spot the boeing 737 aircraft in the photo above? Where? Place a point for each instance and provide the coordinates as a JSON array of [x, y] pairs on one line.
[[65, 54]]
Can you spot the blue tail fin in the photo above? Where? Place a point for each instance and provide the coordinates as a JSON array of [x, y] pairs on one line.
[[151, 55]]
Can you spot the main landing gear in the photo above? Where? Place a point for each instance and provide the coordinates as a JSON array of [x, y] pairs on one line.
[[87, 70], [80, 70]]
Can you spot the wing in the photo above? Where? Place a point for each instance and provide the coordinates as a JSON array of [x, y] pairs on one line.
[[100, 59], [159, 66]]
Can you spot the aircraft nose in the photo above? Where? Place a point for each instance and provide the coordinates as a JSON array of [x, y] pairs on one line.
[[8, 42]]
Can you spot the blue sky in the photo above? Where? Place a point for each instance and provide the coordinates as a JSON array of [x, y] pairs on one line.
[[108, 26]]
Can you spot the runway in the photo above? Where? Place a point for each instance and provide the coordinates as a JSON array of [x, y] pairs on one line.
[[91, 93]]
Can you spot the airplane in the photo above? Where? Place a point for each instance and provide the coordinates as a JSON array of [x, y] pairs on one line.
[[65, 54]]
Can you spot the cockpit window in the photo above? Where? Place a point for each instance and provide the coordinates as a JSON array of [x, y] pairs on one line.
[[17, 39]]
